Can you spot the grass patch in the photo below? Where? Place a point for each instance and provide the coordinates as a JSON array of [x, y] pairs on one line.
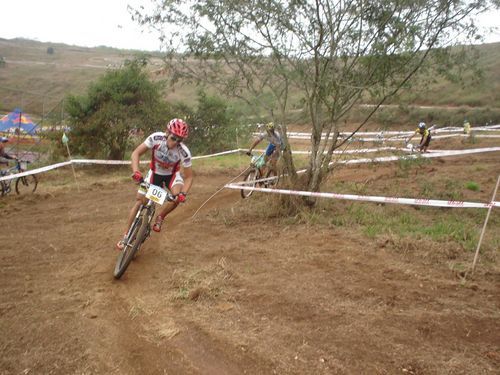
[[471, 185], [457, 226], [406, 164]]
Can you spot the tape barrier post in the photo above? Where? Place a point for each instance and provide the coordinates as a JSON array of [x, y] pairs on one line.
[[65, 141], [484, 225]]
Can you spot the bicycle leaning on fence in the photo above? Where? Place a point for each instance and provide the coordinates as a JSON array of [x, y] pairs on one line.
[[140, 229], [24, 184], [257, 168]]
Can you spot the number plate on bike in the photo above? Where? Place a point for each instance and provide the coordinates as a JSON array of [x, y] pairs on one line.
[[156, 194]]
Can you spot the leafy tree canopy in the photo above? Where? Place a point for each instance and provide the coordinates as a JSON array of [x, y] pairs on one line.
[[335, 53], [122, 100]]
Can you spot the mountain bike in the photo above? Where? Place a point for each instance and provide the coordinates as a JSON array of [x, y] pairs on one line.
[[140, 229], [253, 176], [23, 184]]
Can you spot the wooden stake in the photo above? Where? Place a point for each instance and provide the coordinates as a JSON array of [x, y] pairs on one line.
[[484, 225], [72, 167]]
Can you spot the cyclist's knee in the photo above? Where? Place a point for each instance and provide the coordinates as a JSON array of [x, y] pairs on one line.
[[140, 199]]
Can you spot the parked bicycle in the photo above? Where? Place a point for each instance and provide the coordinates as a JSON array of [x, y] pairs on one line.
[[24, 184], [253, 176], [140, 229]]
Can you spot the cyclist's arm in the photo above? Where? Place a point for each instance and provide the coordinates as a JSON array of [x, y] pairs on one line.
[[188, 179], [6, 156], [136, 156], [409, 139], [255, 143]]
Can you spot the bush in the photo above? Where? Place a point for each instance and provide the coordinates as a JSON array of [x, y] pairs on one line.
[[120, 101]]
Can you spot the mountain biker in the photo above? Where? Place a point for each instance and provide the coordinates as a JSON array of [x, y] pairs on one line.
[[169, 154], [426, 137], [273, 148], [466, 126], [3, 153]]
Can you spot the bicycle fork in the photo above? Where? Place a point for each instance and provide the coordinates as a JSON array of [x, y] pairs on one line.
[[147, 212]]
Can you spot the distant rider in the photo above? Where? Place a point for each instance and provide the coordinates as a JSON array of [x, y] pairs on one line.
[[3, 153], [466, 127], [168, 155], [426, 137], [274, 147]]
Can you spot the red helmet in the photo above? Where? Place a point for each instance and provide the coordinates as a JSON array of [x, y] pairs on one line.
[[178, 127]]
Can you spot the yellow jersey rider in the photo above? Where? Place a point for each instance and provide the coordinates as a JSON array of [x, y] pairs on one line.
[[426, 137]]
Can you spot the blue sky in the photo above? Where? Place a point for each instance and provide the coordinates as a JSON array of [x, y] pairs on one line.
[[91, 23]]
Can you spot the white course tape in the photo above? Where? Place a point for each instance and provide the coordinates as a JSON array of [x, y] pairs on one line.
[[35, 171], [358, 151], [368, 198], [217, 154], [415, 156], [95, 161], [436, 154], [394, 135]]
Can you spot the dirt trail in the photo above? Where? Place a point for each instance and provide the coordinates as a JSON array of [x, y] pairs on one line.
[[207, 296]]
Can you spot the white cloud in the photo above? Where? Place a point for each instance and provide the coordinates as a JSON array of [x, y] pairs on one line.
[[86, 23]]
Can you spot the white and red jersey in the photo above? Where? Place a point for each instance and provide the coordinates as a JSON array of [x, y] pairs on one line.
[[165, 161]]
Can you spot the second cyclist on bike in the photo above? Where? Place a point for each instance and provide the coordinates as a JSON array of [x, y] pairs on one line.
[[168, 155], [273, 150]]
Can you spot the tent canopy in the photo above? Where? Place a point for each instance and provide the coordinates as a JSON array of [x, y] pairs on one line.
[[17, 119]]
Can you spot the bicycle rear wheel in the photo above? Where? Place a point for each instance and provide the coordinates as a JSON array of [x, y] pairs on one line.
[[134, 242], [250, 177], [26, 184]]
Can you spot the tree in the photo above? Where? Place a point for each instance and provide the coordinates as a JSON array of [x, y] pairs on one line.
[[334, 53], [2, 62], [120, 101], [214, 125]]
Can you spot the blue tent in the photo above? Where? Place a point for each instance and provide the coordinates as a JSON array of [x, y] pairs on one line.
[[17, 119]]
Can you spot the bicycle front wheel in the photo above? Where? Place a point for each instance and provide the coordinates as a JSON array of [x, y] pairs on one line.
[[3, 188], [249, 179], [26, 184], [134, 242]]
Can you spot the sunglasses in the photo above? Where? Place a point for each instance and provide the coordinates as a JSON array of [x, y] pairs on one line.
[[175, 138]]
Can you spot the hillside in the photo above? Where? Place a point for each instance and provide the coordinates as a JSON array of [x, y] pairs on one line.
[[37, 80]]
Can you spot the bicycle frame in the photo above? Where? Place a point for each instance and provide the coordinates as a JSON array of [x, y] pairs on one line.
[[5, 186], [150, 208]]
